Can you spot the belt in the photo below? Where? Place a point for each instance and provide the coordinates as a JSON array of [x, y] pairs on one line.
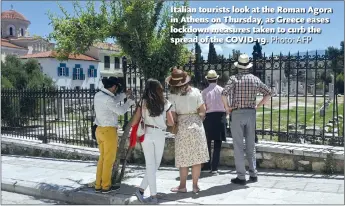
[[187, 114], [152, 126], [242, 108]]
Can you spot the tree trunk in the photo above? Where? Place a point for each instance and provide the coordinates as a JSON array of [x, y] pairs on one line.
[[121, 151]]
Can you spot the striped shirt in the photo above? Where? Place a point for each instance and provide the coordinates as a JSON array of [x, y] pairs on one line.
[[212, 97], [244, 88]]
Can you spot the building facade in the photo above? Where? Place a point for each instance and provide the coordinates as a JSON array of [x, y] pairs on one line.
[[79, 72]]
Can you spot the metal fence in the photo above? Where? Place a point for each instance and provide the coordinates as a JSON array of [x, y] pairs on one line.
[[306, 106]]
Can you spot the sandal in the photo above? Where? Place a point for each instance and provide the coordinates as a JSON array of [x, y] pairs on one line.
[[196, 189], [178, 189]]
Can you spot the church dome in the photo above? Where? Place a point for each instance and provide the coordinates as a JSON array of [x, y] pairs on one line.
[[11, 14]]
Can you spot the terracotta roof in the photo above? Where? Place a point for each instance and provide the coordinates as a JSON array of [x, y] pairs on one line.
[[107, 46], [6, 43], [11, 14], [52, 54]]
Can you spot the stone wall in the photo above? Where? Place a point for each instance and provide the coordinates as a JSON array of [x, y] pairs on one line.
[[270, 155]]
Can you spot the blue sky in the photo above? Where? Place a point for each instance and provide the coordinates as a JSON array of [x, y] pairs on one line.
[[331, 35]]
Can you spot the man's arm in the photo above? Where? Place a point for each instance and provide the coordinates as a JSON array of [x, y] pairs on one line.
[[119, 109], [266, 91], [225, 93]]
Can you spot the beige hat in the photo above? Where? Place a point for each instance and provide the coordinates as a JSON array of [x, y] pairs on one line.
[[211, 75], [243, 62], [178, 78]]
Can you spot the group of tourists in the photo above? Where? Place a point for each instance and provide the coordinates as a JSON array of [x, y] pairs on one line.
[[198, 118]]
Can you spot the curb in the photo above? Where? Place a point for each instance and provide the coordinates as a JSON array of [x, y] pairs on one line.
[[65, 194]]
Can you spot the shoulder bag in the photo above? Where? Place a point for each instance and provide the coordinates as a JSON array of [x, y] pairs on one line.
[[141, 126]]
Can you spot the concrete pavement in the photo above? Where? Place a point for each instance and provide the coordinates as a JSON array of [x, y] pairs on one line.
[[63, 180], [9, 198]]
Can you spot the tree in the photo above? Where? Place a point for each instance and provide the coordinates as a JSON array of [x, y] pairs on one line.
[[235, 54], [141, 28], [212, 54], [337, 64], [339, 83], [19, 76]]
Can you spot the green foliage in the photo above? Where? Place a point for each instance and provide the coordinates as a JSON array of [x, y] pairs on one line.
[[212, 54], [339, 83], [141, 28], [19, 76]]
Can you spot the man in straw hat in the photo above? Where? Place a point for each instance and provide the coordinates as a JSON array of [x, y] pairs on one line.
[[215, 121], [244, 88]]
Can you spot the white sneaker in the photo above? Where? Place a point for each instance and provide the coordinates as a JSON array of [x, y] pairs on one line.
[[151, 200]]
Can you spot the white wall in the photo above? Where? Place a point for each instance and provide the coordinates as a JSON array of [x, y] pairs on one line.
[[50, 65], [6, 51], [100, 54]]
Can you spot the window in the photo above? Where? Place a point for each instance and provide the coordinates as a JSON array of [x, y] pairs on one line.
[[117, 63], [62, 71], [21, 32], [92, 86], [106, 62], [128, 80], [92, 72], [134, 81], [77, 73], [11, 31]]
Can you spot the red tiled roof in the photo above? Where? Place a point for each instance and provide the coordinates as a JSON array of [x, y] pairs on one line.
[[11, 14], [6, 43], [52, 54], [107, 46]]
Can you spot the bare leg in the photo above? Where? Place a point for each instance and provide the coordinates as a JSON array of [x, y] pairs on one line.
[[183, 180], [195, 175]]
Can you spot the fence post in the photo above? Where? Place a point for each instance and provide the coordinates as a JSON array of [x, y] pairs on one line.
[[45, 138], [124, 70]]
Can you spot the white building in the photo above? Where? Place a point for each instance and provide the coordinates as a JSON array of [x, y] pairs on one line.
[[9, 48], [15, 31], [110, 61], [79, 72]]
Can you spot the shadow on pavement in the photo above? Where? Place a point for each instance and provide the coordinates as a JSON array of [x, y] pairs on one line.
[[216, 190]]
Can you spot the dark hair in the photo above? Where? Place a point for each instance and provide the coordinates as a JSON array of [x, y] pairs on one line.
[[109, 82], [212, 81], [154, 97], [113, 81]]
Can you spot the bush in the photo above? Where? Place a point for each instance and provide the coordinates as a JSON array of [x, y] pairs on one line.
[[339, 83]]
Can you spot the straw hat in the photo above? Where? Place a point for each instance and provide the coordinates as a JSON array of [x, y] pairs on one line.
[[243, 62], [178, 78], [211, 75]]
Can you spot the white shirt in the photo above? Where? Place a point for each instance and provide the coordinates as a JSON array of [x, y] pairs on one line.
[[107, 108], [187, 104], [159, 121]]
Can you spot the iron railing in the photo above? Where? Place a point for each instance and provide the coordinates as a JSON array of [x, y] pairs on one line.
[[305, 107]]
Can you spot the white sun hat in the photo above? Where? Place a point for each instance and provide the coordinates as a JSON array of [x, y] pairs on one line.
[[211, 75], [243, 62]]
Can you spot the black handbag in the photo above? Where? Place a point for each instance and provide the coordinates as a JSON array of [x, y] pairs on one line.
[[93, 131]]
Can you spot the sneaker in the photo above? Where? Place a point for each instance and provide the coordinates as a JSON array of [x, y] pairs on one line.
[[98, 190], [238, 181], [253, 179], [111, 189], [214, 172], [151, 200], [140, 195]]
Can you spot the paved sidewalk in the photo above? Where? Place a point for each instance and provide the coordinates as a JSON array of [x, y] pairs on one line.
[[66, 177], [9, 198]]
